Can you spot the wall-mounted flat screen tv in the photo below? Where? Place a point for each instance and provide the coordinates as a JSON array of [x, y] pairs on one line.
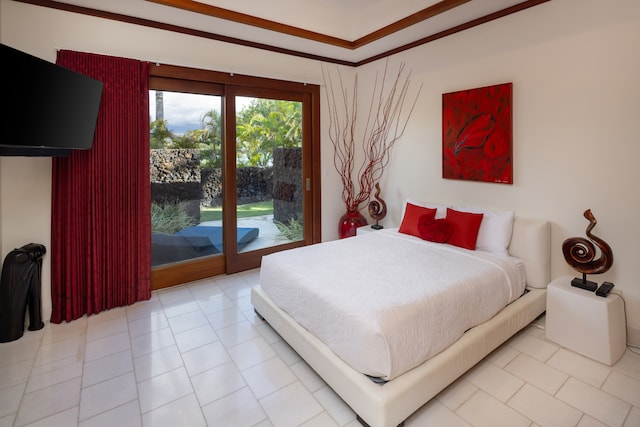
[[49, 110]]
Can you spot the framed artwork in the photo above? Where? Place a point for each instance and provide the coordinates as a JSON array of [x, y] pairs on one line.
[[477, 134]]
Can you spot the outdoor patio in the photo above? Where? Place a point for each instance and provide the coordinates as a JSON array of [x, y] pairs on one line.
[[205, 239], [267, 236]]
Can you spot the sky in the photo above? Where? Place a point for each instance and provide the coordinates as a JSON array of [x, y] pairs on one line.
[[183, 111]]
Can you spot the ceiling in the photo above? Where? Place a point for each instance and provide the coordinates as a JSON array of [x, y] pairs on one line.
[[342, 31]]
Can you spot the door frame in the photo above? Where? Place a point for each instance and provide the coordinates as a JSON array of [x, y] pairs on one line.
[[240, 261], [185, 79]]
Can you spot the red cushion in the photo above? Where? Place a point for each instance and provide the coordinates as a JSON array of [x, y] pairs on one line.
[[465, 228], [411, 217], [434, 230]]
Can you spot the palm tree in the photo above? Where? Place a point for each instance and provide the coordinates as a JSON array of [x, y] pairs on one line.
[[264, 125], [161, 136], [211, 140]]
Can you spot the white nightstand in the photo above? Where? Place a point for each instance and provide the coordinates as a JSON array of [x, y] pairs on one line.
[[364, 229], [584, 322]]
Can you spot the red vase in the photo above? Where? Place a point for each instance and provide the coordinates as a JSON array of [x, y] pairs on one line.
[[349, 222]]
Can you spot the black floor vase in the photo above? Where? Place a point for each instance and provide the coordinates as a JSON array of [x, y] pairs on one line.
[[20, 287]]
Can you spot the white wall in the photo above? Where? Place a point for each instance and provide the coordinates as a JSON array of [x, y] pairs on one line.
[[574, 67], [25, 211]]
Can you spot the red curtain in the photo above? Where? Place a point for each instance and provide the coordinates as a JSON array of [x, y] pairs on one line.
[[100, 222]]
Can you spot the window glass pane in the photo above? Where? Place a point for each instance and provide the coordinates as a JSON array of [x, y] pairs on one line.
[[186, 178], [268, 172]]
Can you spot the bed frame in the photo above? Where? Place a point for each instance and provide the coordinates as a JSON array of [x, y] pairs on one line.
[[391, 403]]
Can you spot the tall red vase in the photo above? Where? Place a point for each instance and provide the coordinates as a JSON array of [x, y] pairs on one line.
[[349, 222]]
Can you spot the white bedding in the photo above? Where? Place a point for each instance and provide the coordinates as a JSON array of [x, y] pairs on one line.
[[385, 302]]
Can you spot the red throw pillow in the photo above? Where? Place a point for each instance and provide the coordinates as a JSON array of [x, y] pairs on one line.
[[434, 230], [411, 217], [465, 228]]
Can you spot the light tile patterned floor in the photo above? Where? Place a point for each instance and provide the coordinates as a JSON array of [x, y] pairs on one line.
[[197, 355]]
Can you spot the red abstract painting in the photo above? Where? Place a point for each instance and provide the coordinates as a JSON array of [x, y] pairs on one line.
[[477, 134]]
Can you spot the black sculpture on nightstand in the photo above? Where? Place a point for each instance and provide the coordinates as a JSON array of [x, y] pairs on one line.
[[377, 208], [580, 254]]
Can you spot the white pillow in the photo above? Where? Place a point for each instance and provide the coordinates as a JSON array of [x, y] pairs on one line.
[[495, 230], [441, 209]]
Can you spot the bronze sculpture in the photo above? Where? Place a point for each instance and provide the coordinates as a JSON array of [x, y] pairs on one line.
[[377, 208], [580, 254]]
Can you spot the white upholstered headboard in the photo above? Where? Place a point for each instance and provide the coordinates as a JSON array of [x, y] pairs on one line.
[[531, 242]]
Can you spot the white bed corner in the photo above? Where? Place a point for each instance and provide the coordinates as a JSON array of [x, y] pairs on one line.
[[394, 401]]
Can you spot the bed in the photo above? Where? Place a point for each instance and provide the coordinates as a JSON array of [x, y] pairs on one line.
[[384, 390]]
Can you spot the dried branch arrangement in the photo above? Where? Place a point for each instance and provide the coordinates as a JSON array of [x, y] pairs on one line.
[[386, 122]]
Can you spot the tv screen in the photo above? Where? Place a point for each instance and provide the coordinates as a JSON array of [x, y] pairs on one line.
[[49, 109]]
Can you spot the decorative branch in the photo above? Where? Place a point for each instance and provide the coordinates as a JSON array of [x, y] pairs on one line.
[[384, 126]]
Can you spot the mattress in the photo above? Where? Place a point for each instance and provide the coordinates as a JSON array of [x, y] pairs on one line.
[[385, 302]]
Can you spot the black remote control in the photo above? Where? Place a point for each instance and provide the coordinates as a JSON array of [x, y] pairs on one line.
[[604, 289]]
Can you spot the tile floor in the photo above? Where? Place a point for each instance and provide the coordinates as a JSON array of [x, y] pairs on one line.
[[197, 355]]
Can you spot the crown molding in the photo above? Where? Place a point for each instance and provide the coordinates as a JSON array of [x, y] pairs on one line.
[[265, 24], [233, 40]]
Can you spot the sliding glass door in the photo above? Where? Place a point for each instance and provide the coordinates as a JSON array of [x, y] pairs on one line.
[[268, 142], [231, 176]]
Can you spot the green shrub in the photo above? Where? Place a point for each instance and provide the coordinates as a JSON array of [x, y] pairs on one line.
[[169, 218], [292, 231]]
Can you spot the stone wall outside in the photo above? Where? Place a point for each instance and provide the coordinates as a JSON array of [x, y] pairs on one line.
[[287, 184], [176, 177]]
